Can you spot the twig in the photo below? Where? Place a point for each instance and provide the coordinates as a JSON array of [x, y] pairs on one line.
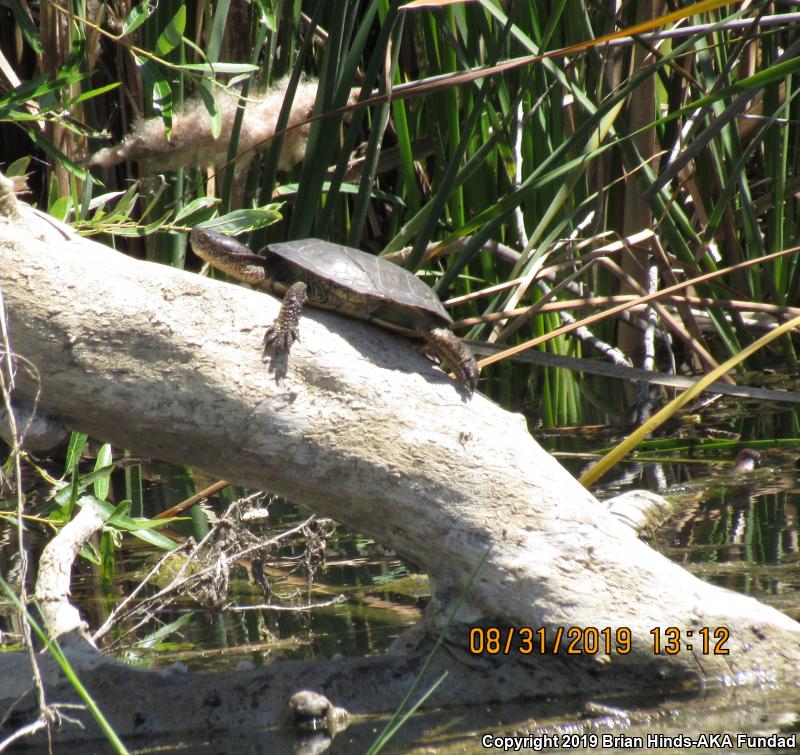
[[7, 386]]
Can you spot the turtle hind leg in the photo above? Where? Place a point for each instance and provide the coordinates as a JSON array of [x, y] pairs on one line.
[[452, 351], [286, 328]]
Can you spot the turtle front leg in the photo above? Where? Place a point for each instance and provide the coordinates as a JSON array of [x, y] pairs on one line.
[[286, 328], [453, 352]]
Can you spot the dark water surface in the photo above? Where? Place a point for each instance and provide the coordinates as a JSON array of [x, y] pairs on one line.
[[736, 530]]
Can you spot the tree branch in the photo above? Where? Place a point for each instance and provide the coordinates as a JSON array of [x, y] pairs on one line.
[[367, 431]]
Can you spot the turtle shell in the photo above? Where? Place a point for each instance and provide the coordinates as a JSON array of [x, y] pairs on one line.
[[354, 283]]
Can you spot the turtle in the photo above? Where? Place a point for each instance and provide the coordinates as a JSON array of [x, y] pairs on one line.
[[345, 280]]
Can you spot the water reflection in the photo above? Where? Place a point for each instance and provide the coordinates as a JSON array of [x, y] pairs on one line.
[[734, 527]]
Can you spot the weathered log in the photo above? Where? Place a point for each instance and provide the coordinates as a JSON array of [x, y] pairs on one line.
[[365, 430]]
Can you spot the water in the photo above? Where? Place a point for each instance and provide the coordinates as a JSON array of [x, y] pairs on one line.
[[739, 531]]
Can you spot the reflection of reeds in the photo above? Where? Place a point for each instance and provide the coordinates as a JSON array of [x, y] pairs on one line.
[[192, 142]]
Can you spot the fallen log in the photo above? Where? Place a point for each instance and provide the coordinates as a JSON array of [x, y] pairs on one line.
[[365, 430]]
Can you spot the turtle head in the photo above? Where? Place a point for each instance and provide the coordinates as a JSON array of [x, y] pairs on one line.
[[228, 255]]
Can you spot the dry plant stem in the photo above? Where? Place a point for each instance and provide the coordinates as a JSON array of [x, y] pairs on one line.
[[708, 361], [681, 32], [532, 343], [55, 715], [519, 218], [551, 273], [182, 582], [192, 500], [113, 617], [773, 310], [154, 602], [670, 279], [512, 256], [551, 293], [584, 334], [24, 731], [643, 401], [7, 386], [288, 609]]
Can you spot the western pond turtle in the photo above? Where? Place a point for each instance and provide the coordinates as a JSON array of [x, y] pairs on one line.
[[343, 279]]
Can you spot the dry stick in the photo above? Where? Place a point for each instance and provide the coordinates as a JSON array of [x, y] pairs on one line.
[[109, 622], [179, 580], [27, 639], [587, 260], [670, 279], [632, 299], [289, 609], [644, 401], [550, 292], [642, 300], [593, 474], [191, 501], [708, 361], [612, 353], [55, 566]]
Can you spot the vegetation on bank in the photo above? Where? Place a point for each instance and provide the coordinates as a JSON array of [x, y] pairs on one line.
[[616, 169]]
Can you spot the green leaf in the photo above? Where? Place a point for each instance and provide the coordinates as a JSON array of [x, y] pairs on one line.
[[139, 528], [156, 224], [776, 72], [100, 200], [291, 189], [89, 552], [160, 90], [207, 96], [241, 221], [39, 88], [18, 167], [267, 14], [26, 26], [154, 193], [173, 33], [104, 462], [93, 93], [77, 442], [119, 514], [162, 632], [126, 205], [60, 208], [57, 155], [79, 484], [125, 231], [162, 103], [219, 67], [137, 17], [108, 558], [197, 211]]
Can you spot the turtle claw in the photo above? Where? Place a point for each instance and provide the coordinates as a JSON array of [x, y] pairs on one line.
[[453, 352], [280, 338], [286, 328]]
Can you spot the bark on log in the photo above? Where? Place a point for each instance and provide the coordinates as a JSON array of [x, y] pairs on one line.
[[365, 430]]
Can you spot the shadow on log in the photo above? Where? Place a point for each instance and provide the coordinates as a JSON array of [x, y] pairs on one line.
[[364, 430]]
